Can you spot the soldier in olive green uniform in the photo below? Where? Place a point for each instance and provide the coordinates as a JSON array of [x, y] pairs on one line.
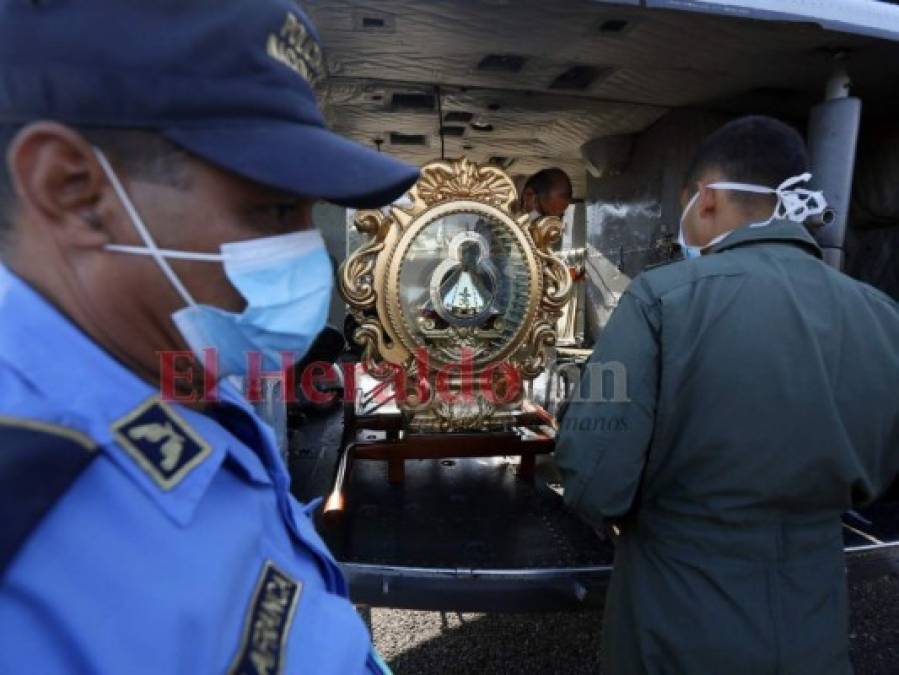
[[761, 403]]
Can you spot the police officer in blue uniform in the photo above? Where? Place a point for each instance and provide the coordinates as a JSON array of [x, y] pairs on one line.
[[161, 161]]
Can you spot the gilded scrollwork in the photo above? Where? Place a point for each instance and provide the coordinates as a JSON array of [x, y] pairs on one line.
[[478, 334], [472, 416], [357, 283], [541, 337], [370, 336], [557, 284], [464, 179]]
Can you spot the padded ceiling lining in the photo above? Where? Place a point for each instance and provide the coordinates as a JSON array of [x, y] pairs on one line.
[[660, 59], [535, 134]]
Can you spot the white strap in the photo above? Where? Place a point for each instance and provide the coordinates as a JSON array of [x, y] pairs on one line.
[[793, 203], [142, 230], [167, 253]]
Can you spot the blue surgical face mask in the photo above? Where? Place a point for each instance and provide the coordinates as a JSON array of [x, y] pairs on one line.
[[286, 281]]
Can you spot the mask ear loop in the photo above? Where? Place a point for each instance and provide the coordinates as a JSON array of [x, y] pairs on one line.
[[167, 253], [792, 202], [141, 228], [757, 189], [681, 238]]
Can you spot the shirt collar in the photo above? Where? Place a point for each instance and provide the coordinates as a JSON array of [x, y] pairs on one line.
[[72, 373], [778, 231]]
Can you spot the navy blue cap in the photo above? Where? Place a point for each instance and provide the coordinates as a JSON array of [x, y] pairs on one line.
[[229, 80]]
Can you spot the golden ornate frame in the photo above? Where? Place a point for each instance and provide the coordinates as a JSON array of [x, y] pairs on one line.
[[370, 284]]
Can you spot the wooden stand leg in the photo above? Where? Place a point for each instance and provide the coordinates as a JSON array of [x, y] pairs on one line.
[[396, 471], [526, 468]]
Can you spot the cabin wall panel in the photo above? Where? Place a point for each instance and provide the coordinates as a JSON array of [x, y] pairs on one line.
[[631, 215]]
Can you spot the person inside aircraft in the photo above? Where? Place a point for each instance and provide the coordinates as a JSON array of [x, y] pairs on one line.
[[760, 407], [547, 193]]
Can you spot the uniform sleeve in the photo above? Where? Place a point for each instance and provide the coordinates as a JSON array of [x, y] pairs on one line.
[[38, 463], [607, 427]]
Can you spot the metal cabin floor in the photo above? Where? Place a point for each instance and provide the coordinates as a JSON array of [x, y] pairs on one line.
[[472, 513], [458, 513]]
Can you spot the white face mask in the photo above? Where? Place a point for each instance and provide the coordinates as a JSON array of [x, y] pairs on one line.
[[793, 203], [286, 281]]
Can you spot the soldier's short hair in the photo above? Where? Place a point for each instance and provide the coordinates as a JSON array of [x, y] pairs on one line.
[[754, 149]]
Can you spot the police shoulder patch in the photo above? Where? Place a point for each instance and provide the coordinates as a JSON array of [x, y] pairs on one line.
[[38, 463], [161, 442], [267, 624]]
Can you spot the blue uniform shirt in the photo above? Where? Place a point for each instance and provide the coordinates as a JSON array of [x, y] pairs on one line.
[[143, 537]]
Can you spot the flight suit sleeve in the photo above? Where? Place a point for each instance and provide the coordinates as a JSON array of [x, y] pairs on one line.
[[607, 426]]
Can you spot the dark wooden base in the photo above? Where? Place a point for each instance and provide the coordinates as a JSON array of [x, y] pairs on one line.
[[396, 448]]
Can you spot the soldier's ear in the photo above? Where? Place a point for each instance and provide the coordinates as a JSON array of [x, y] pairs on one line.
[[708, 204], [58, 184]]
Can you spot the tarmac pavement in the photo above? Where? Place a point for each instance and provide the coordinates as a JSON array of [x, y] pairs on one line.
[[436, 643]]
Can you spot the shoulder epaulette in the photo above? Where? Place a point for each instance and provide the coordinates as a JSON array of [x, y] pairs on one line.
[[38, 463]]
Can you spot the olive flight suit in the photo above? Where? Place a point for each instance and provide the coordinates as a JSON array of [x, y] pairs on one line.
[[736, 406]]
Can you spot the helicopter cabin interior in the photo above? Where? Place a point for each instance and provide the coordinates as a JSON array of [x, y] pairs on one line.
[[616, 94]]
